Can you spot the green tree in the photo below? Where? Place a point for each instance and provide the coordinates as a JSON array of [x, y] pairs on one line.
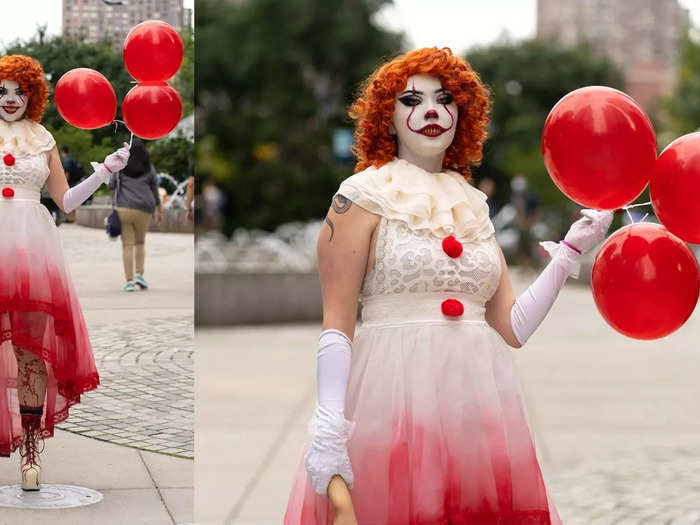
[[526, 79], [274, 80], [173, 156], [183, 81], [59, 54], [683, 107]]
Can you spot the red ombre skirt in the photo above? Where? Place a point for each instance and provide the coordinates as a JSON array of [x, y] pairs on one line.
[[441, 435], [40, 313]]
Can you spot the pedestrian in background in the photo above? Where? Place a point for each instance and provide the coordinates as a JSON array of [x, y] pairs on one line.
[[137, 200]]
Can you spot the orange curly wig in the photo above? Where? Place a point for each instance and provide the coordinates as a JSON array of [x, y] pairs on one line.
[[374, 108], [29, 74]]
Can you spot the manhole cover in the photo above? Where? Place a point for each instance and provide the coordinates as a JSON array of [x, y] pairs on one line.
[[49, 497]]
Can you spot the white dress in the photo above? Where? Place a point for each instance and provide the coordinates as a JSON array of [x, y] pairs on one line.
[[441, 436], [39, 309]]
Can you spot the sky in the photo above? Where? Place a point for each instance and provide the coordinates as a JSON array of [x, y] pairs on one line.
[[35, 13], [460, 24]]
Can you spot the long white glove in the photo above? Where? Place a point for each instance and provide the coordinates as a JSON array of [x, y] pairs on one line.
[[330, 431], [533, 304], [75, 196]]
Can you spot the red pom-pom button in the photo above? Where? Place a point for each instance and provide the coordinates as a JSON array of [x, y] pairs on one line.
[[452, 307], [9, 160], [452, 247], [8, 192]]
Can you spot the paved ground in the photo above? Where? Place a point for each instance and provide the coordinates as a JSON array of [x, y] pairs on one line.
[[144, 350], [615, 420], [147, 396]]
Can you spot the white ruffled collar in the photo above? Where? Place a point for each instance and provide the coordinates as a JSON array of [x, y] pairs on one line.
[[24, 138], [444, 203]]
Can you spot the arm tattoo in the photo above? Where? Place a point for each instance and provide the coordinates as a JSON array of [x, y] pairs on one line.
[[330, 224], [341, 204]]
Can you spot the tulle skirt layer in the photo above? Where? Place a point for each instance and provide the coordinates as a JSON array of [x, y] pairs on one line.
[[40, 313], [441, 436]]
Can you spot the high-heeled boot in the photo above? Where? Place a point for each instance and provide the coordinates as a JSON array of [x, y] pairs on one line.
[[32, 445]]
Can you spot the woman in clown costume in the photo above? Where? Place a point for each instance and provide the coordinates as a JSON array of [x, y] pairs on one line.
[[46, 360], [420, 418]]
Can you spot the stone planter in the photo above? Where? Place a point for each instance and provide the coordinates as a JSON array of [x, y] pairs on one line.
[[228, 298]]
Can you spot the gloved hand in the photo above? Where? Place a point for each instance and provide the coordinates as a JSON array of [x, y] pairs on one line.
[[329, 430], [328, 453], [75, 196], [589, 230], [113, 162], [117, 161], [531, 307]]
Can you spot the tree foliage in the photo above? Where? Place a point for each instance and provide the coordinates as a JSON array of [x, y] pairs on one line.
[[183, 81], [526, 79], [173, 156], [684, 106], [274, 80], [60, 54]]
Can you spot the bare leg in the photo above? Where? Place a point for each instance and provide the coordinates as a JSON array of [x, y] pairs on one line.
[[31, 390]]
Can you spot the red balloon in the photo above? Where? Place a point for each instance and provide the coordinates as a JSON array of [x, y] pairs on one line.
[[599, 147], [85, 99], [153, 51], [645, 281], [151, 110], [675, 187]]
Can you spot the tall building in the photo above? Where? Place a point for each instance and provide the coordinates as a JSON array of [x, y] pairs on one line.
[[112, 19], [641, 36]]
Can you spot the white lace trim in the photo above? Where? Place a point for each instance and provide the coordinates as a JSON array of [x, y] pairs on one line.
[[24, 138], [443, 203], [328, 453]]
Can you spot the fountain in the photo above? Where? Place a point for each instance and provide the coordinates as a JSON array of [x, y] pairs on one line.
[[275, 273], [174, 219]]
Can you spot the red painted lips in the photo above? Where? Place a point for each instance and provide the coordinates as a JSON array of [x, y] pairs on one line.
[[432, 130]]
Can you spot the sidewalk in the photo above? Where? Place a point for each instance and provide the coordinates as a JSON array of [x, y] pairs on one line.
[[144, 352], [615, 420]]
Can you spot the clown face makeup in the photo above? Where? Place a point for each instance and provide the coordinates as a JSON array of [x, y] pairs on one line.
[[425, 121], [13, 101]]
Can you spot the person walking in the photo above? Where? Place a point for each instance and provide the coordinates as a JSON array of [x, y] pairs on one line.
[[137, 199]]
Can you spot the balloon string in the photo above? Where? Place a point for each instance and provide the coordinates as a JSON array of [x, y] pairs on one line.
[[115, 121], [627, 210], [636, 205]]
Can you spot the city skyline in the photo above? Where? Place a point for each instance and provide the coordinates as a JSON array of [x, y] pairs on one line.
[[37, 13], [113, 19]]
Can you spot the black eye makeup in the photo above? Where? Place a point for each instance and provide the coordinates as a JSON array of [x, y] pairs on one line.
[[445, 98], [3, 90], [19, 91], [410, 100]]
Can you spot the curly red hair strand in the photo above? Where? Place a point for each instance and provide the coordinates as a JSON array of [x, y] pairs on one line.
[[29, 74], [374, 108]]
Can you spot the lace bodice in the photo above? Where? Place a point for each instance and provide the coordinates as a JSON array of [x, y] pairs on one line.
[[413, 261], [28, 172], [23, 160]]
